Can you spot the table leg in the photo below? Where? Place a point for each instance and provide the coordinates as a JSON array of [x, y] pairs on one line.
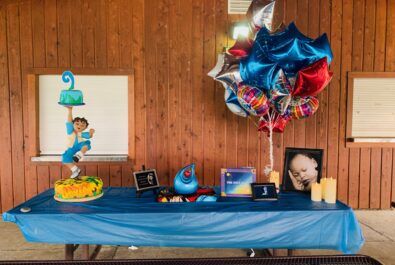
[[95, 252], [266, 253], [85, 252], [69, 251]]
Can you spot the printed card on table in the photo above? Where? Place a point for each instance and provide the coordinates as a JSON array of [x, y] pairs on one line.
[[236, 182]]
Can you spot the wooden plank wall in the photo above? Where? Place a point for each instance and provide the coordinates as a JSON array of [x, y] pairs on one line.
[[180, 114]]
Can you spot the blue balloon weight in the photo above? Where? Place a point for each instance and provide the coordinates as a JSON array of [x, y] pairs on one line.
[[289, 50]]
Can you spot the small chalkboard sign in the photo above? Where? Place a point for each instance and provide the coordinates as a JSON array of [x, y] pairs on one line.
[[263, 191], [145, 180]]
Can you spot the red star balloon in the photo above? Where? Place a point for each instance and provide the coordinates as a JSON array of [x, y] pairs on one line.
[[311, 80]]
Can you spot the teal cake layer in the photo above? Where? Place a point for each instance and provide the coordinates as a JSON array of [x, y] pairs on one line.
[[71, 97]]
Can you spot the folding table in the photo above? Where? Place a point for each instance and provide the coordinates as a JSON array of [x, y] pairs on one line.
[[120, 218]]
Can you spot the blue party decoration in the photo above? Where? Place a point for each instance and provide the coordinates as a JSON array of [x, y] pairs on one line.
[[206, 198], [185, 181], [289, 50], [68, 77], [287, 43], [257, 70]]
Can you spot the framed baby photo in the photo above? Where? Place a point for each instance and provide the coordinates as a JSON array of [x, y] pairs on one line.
[[302, 167]]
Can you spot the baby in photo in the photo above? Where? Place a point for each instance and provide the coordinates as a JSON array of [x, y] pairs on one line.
[[303, 171]]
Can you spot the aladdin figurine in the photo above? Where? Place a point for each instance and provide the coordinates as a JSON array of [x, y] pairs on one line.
[[78, 143], [185, 181]]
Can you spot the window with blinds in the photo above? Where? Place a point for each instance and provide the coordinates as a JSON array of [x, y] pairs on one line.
[[371, 107], [238, 6]]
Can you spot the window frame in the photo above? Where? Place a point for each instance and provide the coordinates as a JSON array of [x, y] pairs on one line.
[[350, 97], [32, 76]]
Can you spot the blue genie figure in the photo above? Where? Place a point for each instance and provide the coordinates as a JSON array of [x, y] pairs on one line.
[[185, 181]]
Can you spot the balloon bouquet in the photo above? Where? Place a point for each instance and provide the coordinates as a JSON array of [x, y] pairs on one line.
[[276, 75]]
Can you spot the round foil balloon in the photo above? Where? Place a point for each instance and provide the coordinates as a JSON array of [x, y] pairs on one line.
[[253, 100], [233, 104], [300, 108]]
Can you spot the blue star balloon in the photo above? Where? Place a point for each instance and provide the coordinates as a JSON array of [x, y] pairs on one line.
[[289, 50]]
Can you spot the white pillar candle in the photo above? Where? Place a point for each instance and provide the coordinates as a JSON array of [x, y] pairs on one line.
[[316, 192], [323, 182], [330, 190]]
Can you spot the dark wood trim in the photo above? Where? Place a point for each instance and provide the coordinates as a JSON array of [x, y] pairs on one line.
[[371, 75], [351, 144], [4, 3], [33, 107], [80, 71], [131, 119], [85, 163], [350, 94]]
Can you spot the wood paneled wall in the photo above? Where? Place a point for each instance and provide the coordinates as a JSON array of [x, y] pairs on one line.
[[180, 112]]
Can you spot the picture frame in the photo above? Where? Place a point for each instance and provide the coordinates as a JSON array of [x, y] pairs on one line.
[[236, 182], [264, 191], [146, 180], [302, 167]]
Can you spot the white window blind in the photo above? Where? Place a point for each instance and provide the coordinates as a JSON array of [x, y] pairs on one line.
[[373, 108], [106, 109]]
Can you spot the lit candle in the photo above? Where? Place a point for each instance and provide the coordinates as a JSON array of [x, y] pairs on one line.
[[274, 177], [323, 182], [316, 192], [330, 190]]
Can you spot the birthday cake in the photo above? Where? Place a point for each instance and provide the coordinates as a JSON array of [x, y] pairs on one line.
[[71, 97], [85, 188]]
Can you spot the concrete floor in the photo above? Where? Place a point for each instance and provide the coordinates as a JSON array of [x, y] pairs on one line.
[[378, 228]]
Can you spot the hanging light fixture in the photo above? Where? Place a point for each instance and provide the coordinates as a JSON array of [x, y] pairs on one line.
[[240, 30]]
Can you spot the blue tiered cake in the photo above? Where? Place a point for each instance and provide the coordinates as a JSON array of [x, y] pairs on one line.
[[70, 97]]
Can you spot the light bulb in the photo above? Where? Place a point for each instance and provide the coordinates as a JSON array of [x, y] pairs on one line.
[[240, 31]]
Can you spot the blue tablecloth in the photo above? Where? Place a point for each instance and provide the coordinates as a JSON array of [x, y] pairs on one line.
[[119, 218]]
